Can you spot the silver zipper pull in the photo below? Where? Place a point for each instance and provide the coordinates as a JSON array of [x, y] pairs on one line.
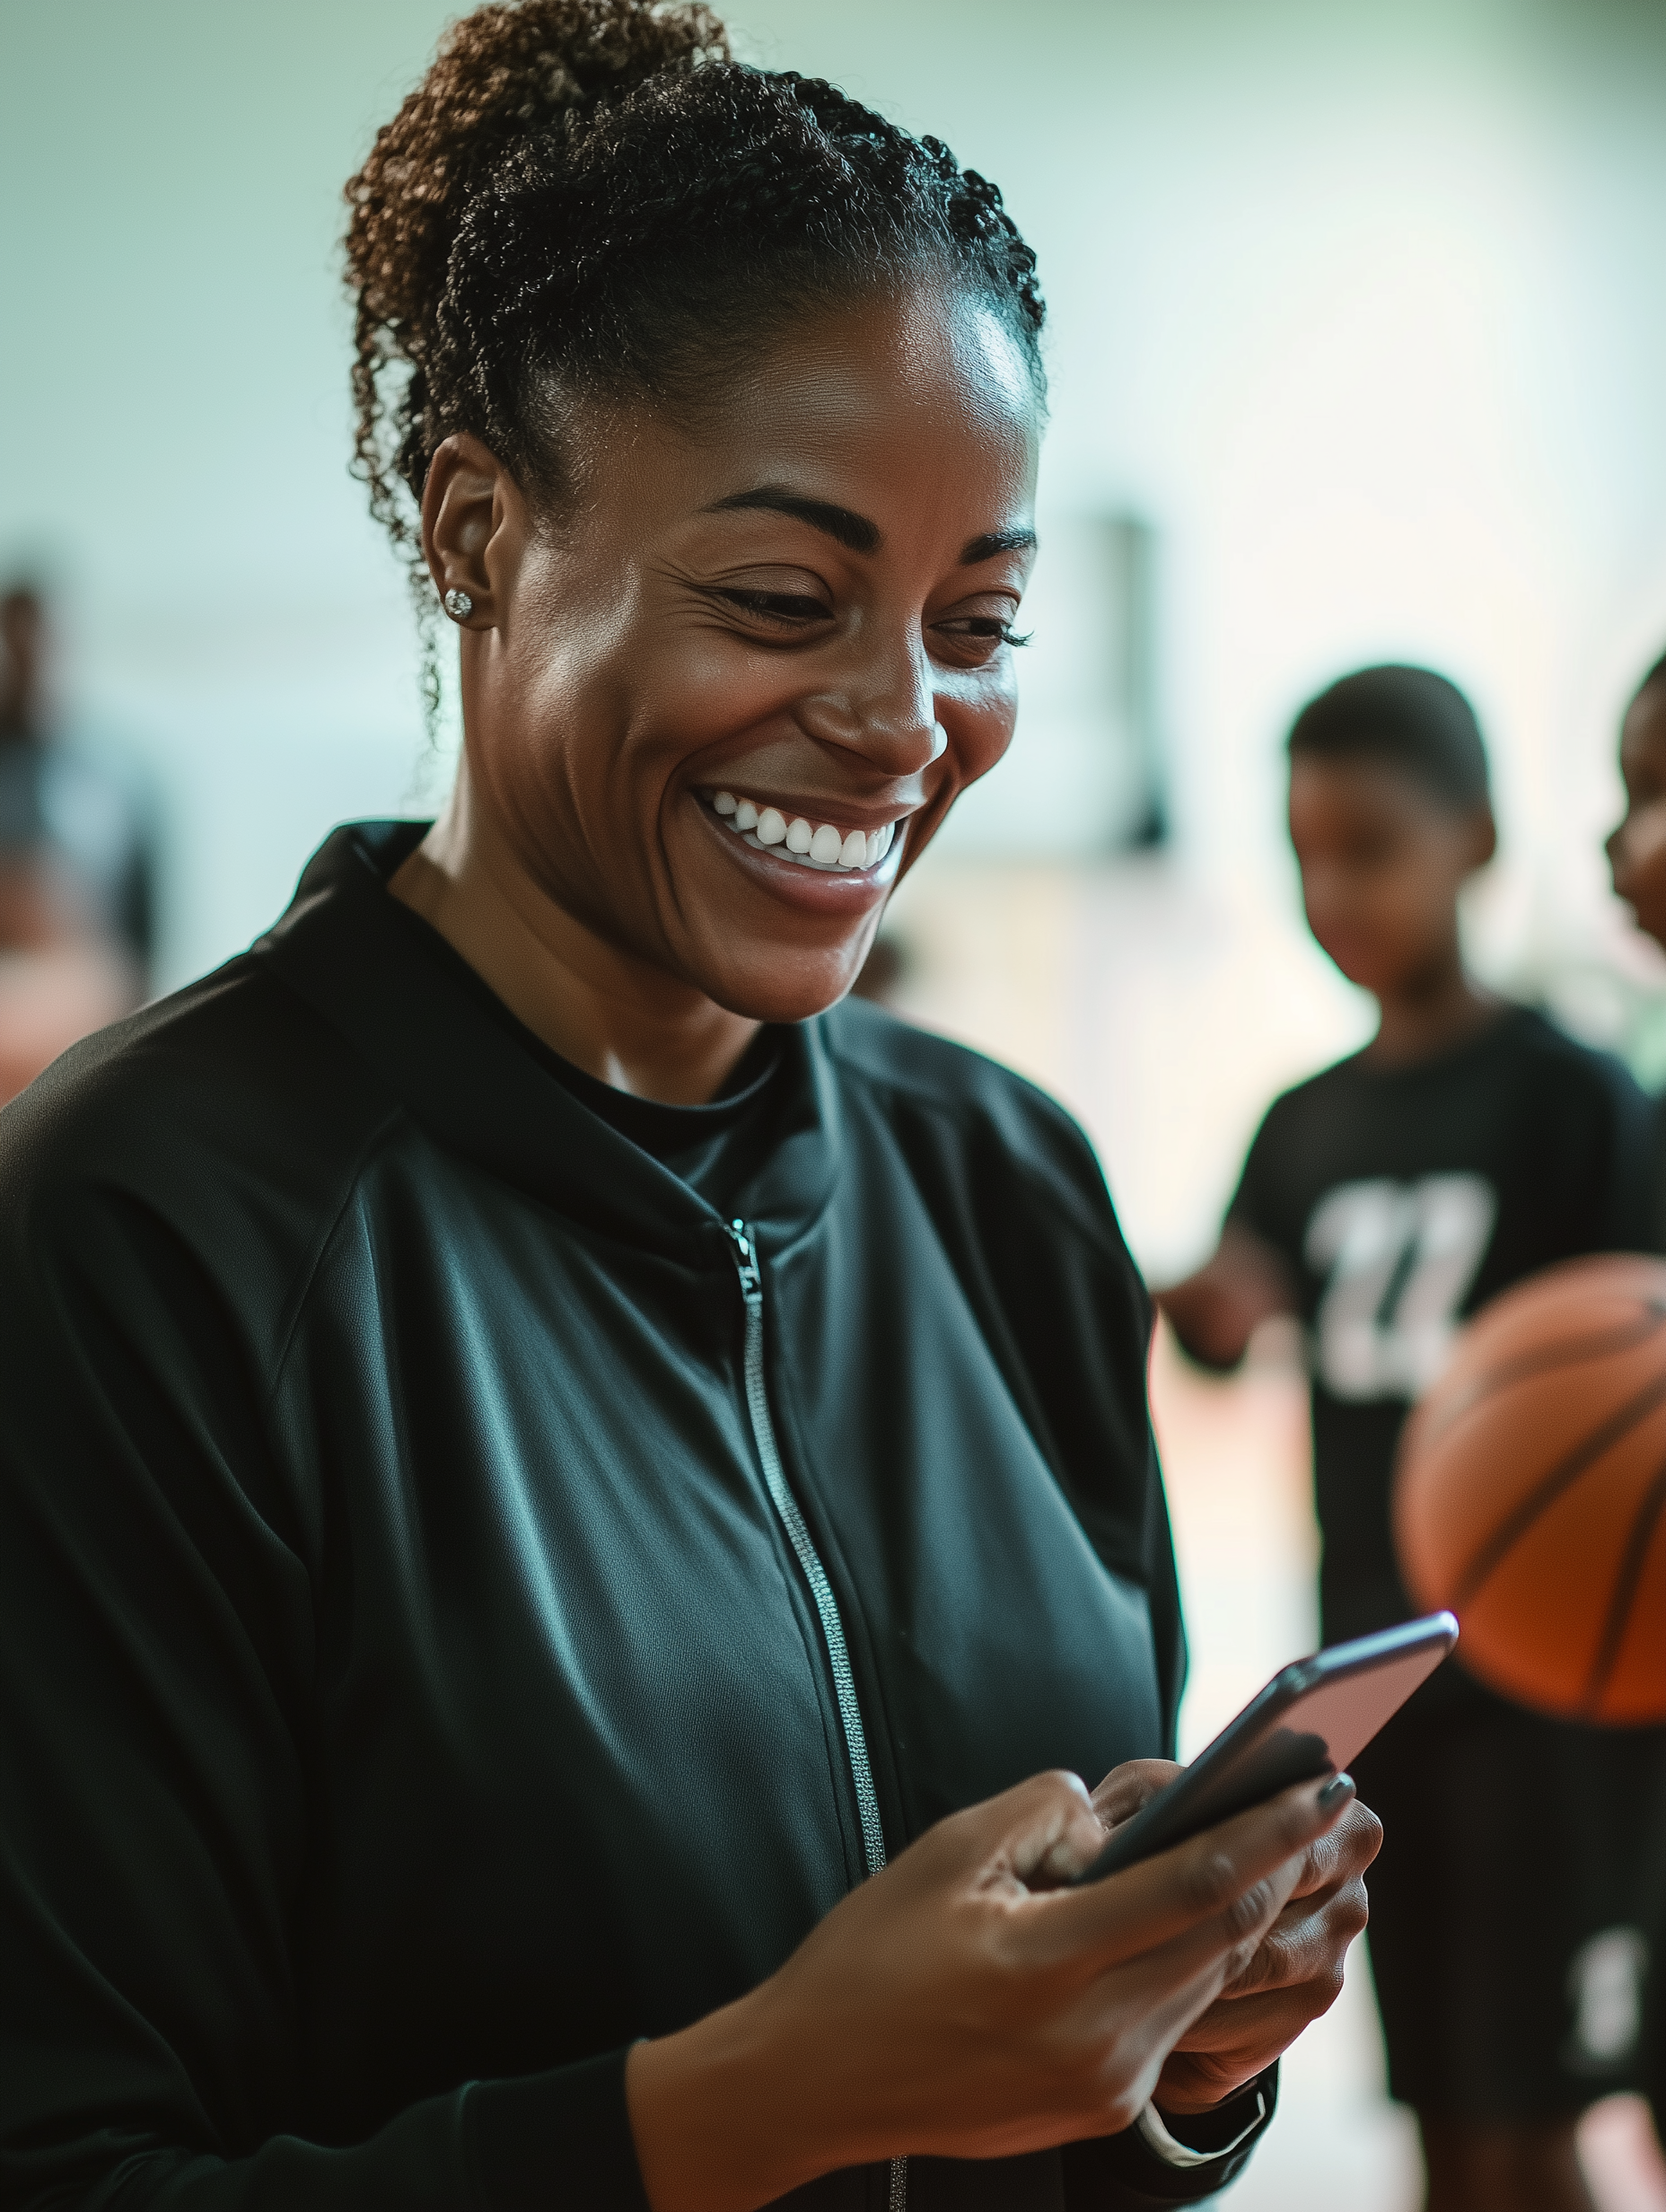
[[746, 1261]]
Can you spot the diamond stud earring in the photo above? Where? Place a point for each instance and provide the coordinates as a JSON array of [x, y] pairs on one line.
[[458, 605]]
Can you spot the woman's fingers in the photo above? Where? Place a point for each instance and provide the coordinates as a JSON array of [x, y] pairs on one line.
[[1292, 1976], [1124, 2030], [1211, 1882], [1344, 1852], [1228, 2042], [1263, 2025], [1040, 1832], [1304, 1949], [1328, 1909], [1160, 2017], [1129, 1786], [1194, 1964], [1308, 1941]]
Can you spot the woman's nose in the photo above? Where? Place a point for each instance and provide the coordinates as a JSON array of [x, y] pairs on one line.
[[886, 713]]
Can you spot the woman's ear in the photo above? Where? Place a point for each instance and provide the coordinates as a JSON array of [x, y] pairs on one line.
[[466, 502]]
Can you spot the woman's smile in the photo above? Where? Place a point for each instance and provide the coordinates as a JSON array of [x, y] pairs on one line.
[[794, 841]]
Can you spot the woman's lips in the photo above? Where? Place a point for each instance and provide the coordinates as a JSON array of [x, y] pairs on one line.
[[822, 847]]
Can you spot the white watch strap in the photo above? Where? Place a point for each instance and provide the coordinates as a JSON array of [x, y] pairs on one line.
[[1173, 2154]]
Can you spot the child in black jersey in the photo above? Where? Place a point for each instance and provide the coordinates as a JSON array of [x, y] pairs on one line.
[[1470, 1144]]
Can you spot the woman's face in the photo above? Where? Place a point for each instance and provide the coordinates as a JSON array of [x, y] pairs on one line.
[[797, 615], [1637, 847]]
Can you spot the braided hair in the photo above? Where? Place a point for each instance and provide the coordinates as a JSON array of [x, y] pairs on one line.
[[591, 197]]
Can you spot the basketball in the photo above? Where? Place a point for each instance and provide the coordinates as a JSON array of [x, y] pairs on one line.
[[1530, 1493]]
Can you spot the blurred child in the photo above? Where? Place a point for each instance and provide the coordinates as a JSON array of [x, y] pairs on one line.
[[1637, 848], [1637, 855], [75, 869], [1470, 1143]]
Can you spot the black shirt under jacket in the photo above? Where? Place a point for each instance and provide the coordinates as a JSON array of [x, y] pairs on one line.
[[413, 1696]]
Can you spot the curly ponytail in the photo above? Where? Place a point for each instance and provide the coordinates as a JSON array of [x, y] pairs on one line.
[[591, 195]]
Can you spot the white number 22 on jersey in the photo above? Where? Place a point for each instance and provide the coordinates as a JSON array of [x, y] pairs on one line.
[[1400, 1257]]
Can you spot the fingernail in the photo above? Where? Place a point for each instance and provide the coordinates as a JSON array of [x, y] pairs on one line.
[[1340, 1785]]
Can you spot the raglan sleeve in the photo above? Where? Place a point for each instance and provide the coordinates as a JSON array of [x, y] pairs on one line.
[[155, 1664]]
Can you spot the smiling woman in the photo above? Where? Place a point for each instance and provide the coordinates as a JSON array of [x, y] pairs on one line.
[[575, 1507]]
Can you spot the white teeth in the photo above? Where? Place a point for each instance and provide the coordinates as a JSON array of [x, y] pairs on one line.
[[819, 847]]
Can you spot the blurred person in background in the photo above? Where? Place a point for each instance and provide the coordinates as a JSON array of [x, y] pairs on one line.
[[75, 868], [1470, 1144], [1636, 850], [577, 1505], [1637, 854]]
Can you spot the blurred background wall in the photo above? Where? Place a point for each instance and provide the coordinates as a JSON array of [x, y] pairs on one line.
[[1359, 330]]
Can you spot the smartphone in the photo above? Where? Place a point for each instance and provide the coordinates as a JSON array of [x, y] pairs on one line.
[[1312, 1718]]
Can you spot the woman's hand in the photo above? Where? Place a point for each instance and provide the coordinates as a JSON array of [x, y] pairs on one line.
[[1295, 1972], [963, 2003]]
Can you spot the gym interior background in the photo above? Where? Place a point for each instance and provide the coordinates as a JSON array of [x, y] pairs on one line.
[[1358, 351]]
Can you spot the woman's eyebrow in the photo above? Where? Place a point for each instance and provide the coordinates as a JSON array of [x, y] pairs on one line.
[[994, 541], [853, 531]]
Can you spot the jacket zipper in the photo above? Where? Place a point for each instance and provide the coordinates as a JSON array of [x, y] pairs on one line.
[[792, 1520]]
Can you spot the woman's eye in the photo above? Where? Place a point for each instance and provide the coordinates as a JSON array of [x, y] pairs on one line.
[[981, 633], [786, 608]]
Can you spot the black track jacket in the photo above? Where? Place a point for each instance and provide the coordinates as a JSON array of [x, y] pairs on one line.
[[464, 1609]]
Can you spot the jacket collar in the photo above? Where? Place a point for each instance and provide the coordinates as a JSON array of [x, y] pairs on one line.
[[479, 1081]]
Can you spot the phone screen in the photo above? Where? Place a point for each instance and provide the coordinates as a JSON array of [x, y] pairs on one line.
[[1311, 1719]]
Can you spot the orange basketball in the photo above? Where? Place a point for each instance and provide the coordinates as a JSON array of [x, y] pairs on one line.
[[1531, 1496]]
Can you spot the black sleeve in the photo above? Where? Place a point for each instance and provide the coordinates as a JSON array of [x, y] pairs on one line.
[[157, 1658], [1122, 2174]]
